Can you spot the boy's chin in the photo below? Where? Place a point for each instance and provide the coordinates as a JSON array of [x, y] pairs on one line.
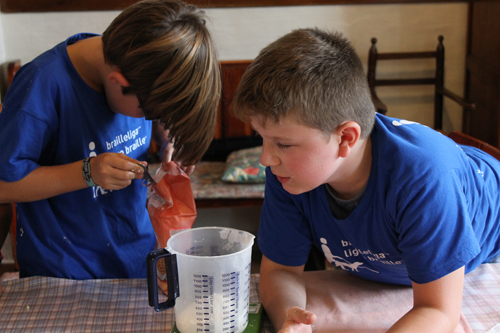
[[296, 190]]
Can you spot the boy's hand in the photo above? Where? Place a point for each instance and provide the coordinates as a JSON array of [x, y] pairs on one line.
[[298, 320], [114, 171]]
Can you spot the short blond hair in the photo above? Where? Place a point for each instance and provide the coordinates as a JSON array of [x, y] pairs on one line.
[[310, 74], [165, 51]]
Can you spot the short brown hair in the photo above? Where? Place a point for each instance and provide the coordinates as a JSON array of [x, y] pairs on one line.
[[314, 75], [165, 51]]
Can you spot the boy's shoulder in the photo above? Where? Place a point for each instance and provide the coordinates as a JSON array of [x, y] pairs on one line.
[[48, 68], [407, 136], [53, 58], [412, 153], [47, 80], [57, 56]]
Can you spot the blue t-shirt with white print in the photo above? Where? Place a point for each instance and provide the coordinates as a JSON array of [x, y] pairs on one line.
[[52, 117], [430, 207]]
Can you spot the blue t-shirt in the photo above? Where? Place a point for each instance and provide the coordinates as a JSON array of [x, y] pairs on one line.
[[430, 207], [52, 117]]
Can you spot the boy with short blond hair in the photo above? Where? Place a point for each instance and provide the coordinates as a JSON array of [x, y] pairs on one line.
[[386, 199], [79, 118]]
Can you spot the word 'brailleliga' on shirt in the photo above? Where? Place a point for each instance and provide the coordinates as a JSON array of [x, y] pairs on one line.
[[129, 139]]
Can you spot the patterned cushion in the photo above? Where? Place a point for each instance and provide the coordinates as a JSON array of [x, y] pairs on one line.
[[243, 166]]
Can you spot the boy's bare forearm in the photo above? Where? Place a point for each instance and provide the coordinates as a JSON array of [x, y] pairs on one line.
[[429, 320], [281, 290], [437, 306], [111, 171], [44, 182]]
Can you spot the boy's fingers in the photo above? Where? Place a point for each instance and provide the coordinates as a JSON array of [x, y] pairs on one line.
[[302, 316], [125, 163], [297, 317], [114, 171], [189, 170], [170, 167]]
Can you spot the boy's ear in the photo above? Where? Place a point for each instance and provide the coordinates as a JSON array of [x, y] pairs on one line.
[[117, 77], [349, 133]]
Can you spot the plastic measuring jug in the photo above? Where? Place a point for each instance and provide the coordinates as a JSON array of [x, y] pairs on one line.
[[208, 278]]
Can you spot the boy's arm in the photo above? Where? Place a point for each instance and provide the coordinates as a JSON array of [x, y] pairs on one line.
[[111, 171], [283, 295], [436, 307]]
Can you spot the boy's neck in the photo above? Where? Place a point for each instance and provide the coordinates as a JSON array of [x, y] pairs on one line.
[[87, 58], [355, 171]]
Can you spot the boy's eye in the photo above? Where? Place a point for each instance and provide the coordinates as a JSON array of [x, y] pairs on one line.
[[281, 146]]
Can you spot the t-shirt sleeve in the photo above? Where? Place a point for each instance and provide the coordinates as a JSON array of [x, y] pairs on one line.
[[28, 123]]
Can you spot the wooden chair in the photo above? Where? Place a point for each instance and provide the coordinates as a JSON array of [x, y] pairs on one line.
[[437, 79], [464, 139]]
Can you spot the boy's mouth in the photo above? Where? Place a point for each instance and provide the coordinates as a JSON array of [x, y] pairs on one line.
[[282, 179]]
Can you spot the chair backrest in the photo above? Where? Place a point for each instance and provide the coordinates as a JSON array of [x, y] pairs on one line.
[[464, 139], [437, 79]]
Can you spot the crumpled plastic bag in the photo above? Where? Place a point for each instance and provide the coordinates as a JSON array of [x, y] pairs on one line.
[[171, 208], [171, 204]]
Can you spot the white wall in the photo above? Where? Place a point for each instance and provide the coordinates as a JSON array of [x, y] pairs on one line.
[[241, 32], [2, 43]]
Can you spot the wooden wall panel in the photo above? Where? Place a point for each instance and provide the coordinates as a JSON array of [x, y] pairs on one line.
[[484, 43], [485, 120], [232, 71], [483, 71]]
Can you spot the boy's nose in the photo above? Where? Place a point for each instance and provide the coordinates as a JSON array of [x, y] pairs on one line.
[[267, 158]]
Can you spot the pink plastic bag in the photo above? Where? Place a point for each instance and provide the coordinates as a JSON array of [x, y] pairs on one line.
[[171, 204]]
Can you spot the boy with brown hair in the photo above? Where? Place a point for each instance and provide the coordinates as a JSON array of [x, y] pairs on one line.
[[78, 119], [386, 199]]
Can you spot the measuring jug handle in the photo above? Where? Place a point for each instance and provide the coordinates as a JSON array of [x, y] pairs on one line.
[[172, 279]]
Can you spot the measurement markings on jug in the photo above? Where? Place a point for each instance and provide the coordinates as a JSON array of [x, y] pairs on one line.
[[230, 284], [204, 299]]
